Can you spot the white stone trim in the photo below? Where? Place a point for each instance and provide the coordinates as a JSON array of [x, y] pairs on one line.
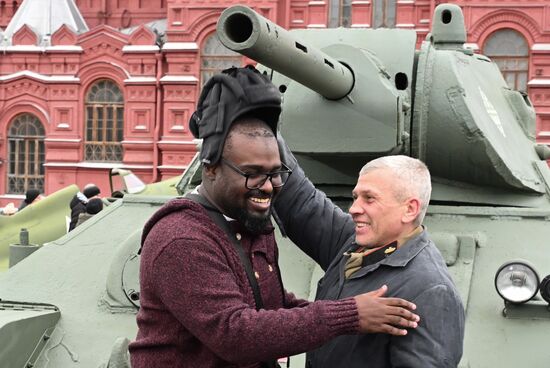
[[65, 48], [539, 82], [316, 2], [42, 77], [137, 142], [473, 46], [180, 46], [24, 48], [405, 1], [179, 78], [177, 167], [140, 80], [191, 143], [404, 25], [12, 196], [62, 140], [121, 68], [541, 47], [360, 25], [424, 21], [96, 165], [361, 2], [140, 48]]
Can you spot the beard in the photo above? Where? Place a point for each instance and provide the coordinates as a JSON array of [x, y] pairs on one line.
[[254, 223]]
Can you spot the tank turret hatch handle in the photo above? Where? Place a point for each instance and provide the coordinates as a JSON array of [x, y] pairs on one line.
[[243, 30]]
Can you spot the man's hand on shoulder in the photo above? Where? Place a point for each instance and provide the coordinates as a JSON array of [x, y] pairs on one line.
[[385, 315]]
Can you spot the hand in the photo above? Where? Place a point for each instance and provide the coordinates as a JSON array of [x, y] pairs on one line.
[[385, 315]]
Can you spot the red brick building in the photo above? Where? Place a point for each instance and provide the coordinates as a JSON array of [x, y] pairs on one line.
[[96, 84]]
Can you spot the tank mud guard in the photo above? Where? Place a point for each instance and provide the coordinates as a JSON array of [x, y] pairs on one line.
[[25, 329]]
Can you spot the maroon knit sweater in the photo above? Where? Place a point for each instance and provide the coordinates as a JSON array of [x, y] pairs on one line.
[[197, 307]]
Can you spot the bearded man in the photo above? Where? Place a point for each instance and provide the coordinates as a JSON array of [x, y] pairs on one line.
[[211, 291]]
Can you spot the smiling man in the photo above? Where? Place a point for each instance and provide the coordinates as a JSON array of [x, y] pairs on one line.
[[381, 241], [211, 294]]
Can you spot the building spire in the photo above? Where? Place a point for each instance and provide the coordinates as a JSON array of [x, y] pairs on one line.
[[45, 17]]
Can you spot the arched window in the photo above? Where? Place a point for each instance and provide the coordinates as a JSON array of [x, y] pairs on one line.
[[215, 57], [104, 122], [509, 49], [25, 154]]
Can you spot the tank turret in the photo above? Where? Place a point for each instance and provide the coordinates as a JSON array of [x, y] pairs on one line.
[[449, 107], [351, 95]]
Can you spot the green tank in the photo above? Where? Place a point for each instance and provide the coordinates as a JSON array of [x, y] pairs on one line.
[[45, 221], [49, 219], [350, 95]]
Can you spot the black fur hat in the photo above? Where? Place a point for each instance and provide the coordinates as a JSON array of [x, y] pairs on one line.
[[226, 97], [91, 191], [94, 206], [31, 194]]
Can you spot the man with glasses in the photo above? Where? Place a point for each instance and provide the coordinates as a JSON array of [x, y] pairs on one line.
[[211, 293]]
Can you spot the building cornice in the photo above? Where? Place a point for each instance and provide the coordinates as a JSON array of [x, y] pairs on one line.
[[539, 82], [41, 77], [140, 80], [97, 165], [140, 48], [540, 47], [41, 49], [137, 142], [192, 143], [180, 46], [183, 79], [172, 167], [78, 140]]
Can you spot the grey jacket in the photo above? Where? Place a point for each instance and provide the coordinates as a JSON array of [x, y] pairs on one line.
[[415, 272]]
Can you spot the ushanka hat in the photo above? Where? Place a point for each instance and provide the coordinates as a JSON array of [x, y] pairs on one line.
[[226, 97]]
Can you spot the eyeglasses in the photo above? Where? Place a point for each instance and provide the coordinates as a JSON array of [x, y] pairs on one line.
[[255, 181]]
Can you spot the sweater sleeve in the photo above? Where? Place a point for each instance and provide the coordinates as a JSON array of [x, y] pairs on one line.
[[292, 302], [310, 219], [197, 285]]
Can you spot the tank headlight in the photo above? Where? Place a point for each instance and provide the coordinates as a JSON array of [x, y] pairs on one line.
[[545, 289], [517, 281]]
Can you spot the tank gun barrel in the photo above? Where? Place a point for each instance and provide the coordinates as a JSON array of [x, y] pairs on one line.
[[243, 30]]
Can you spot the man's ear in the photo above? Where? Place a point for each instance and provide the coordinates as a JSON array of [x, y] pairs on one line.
[[210, 171], [412, 210]]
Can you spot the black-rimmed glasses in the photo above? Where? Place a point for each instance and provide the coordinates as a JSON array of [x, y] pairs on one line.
[[255, 181]]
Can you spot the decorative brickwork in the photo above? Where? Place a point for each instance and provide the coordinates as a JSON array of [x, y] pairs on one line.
[[25, 36], [505, 19]]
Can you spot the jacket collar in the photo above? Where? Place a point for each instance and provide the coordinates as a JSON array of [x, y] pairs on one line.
[[410, 249], [401, 257]]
